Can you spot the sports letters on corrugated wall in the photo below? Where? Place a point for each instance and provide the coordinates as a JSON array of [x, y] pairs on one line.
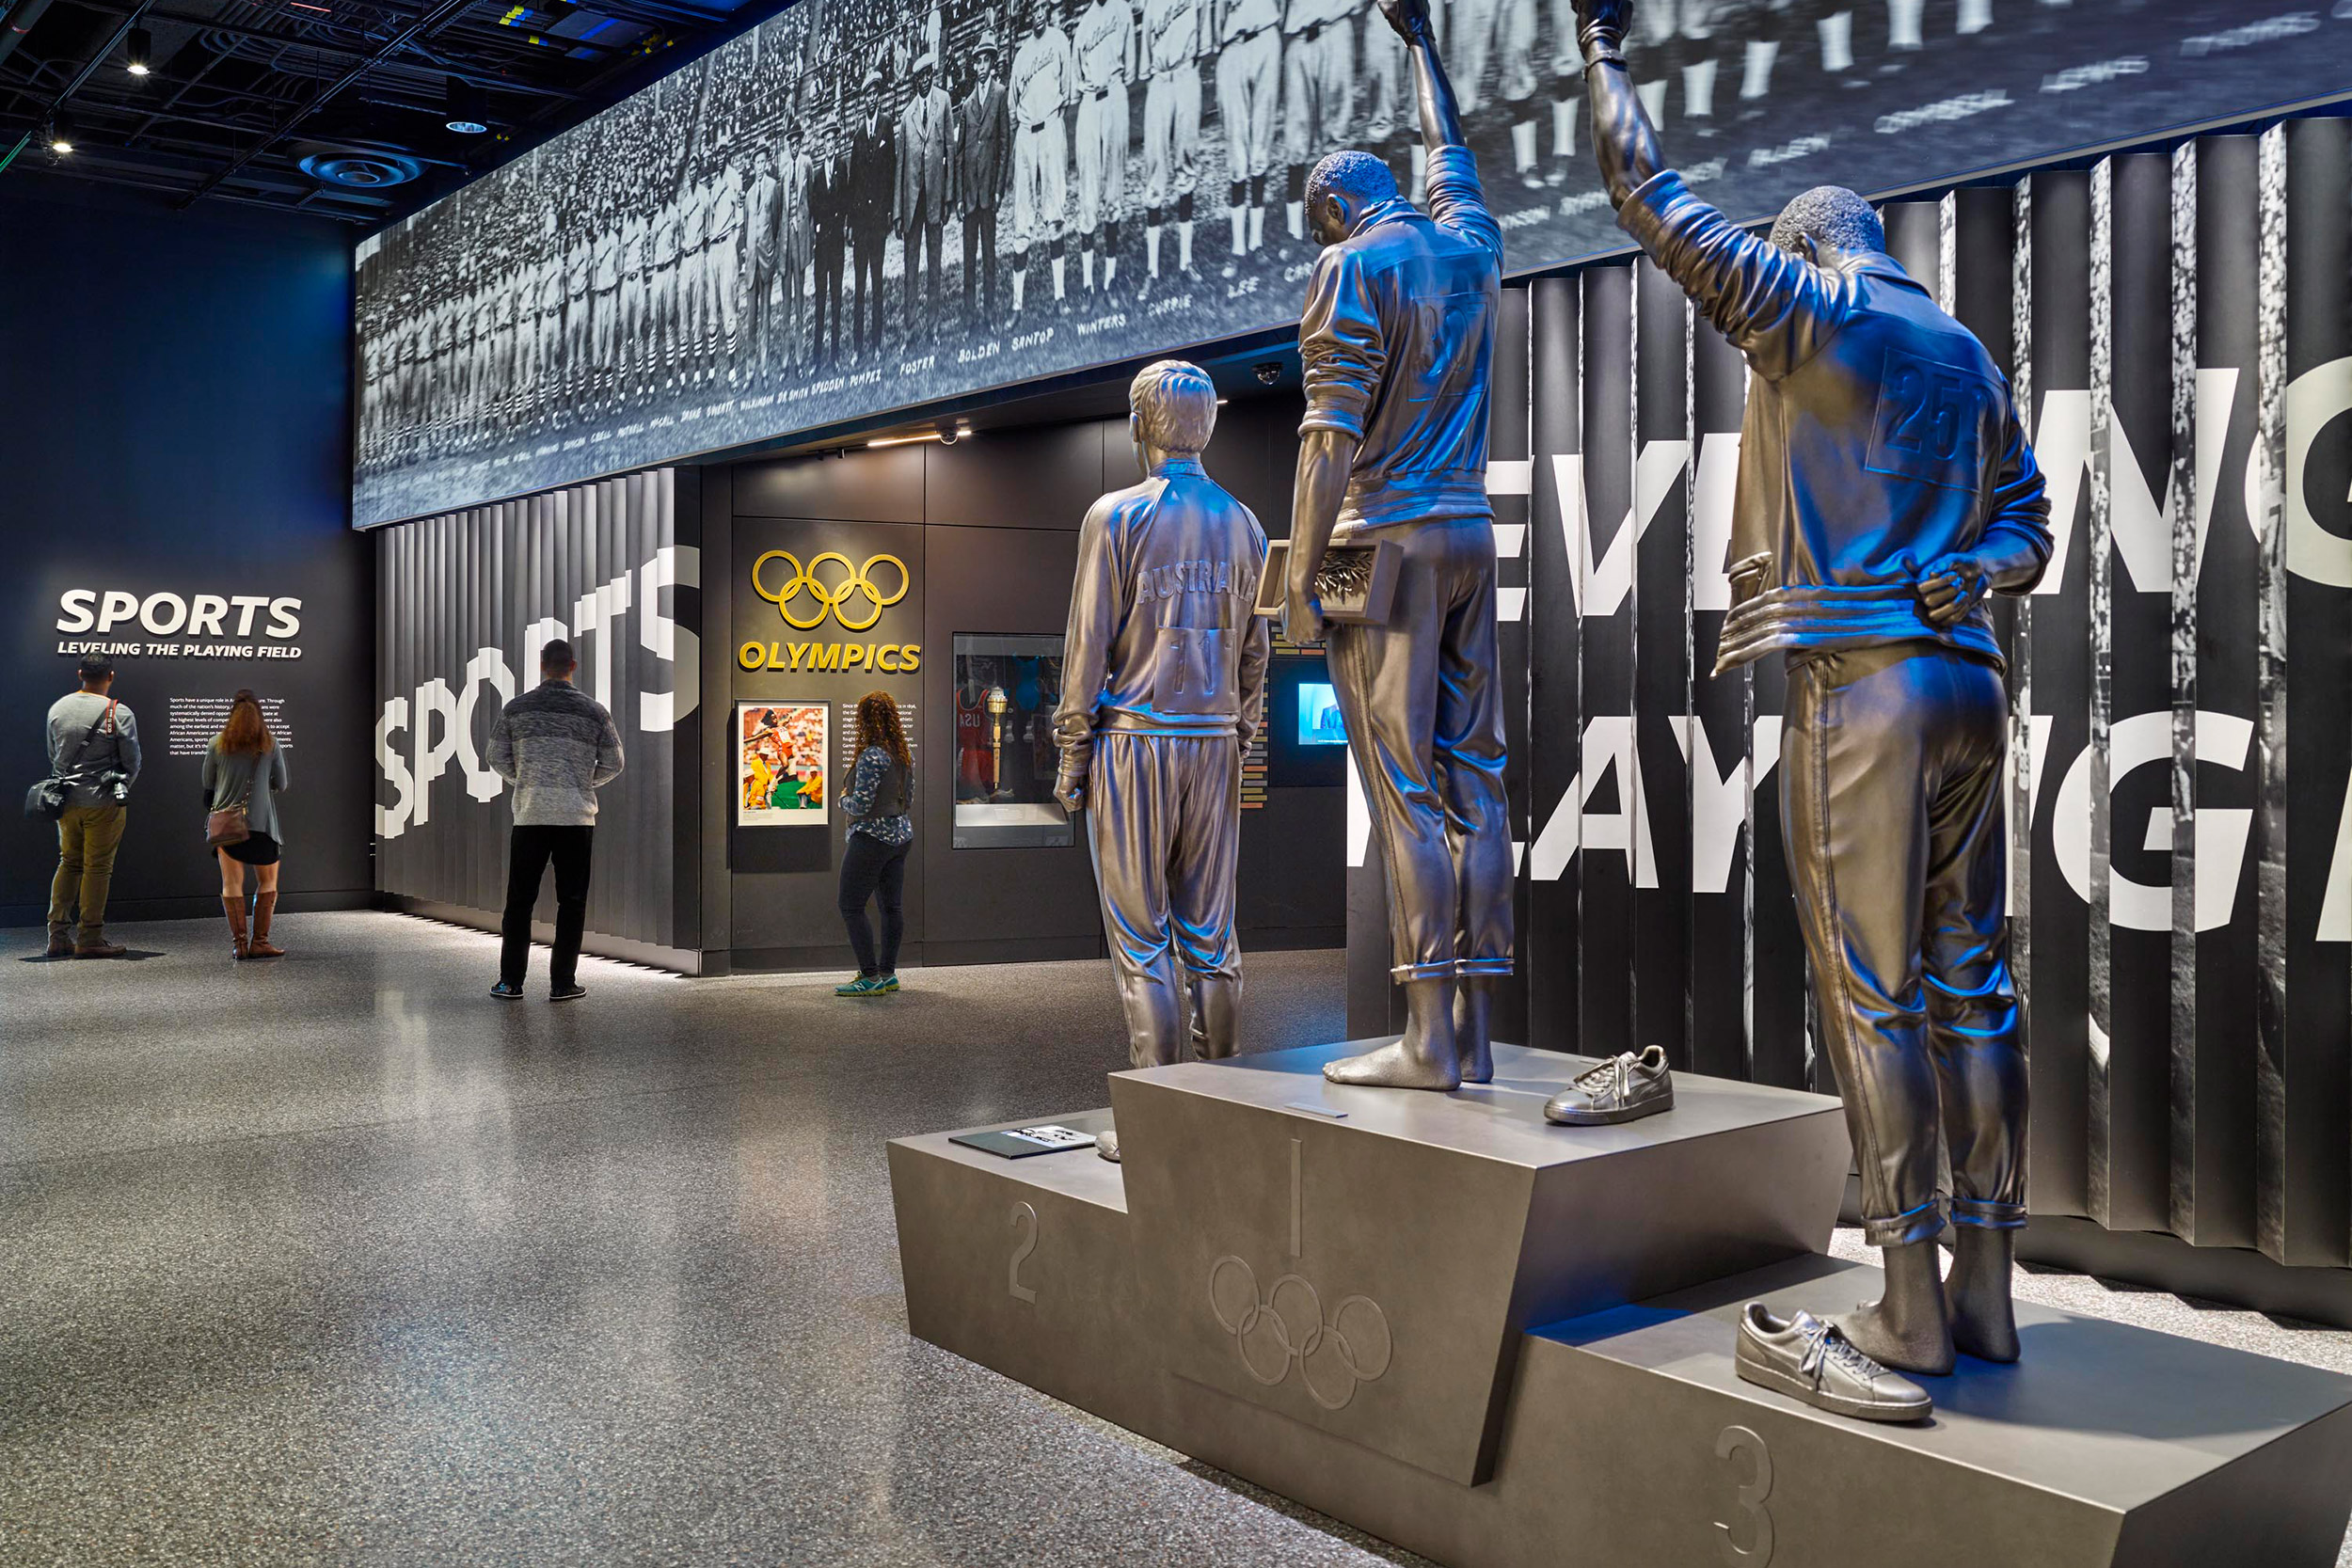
[[465, 603], [2180, 329]]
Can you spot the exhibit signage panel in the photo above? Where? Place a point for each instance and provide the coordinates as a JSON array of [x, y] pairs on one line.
[[823, 613], [861, 207], [184, 638]]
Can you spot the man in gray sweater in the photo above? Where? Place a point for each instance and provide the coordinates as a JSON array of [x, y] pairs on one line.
[[557, 746], [94, 748]]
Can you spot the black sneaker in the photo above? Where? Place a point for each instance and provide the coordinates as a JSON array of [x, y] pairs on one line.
[[507, 992], [572, 992]]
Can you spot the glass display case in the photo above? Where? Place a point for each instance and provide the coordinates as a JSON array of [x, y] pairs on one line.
[[1007, 688]]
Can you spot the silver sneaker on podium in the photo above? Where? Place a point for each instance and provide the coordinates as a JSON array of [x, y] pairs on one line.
[[1623, 1088], [1808, 1359]]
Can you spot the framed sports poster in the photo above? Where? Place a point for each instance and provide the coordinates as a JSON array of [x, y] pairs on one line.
[[780, 755]]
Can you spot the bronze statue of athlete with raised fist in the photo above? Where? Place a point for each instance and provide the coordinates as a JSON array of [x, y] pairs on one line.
[[1885, 488]]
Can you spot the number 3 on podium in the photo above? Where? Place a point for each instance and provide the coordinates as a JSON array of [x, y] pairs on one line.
[[1751, 1497]]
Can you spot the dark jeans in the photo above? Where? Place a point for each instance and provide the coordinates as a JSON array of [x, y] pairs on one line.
[[527, 854], [868, 866]]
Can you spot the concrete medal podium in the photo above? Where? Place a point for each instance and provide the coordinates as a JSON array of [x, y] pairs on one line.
[[1496, 1341]]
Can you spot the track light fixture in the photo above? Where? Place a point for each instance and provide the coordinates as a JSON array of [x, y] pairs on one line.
[[61, 134], [138, 52], [946, 433]]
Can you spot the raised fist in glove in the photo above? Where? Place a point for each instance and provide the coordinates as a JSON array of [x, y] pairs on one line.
[[1601, 27], [1410, 18]]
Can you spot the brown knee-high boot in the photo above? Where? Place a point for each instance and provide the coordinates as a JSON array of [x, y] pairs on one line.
[[265, 905], [237, 944]]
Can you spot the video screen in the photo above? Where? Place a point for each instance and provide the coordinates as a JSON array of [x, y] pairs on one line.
[[1319, 716], [867, 205]]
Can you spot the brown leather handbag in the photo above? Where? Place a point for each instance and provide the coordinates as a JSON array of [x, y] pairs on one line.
[[230, 826]]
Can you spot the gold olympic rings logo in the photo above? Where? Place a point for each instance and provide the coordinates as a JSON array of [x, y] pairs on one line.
[[832, 600]]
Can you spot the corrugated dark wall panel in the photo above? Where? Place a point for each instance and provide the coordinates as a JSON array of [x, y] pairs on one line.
[[2312, 753], [1608, 818], [2068, 1044], [1712, 740], [2133, 333], [465, 603], [2179, 328], [2215, 597], [1550, 941], [1509, 483], [1660, 615]]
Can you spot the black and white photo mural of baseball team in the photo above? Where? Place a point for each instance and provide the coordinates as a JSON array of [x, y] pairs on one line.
[[863, 205]]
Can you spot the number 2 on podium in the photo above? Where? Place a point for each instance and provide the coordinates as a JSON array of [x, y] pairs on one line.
[[1024, 1221]]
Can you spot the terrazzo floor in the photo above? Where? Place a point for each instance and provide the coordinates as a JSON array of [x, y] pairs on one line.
[[338, 1260]]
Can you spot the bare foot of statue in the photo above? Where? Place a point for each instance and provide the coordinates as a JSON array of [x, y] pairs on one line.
[[1474, 1047], [1907, 1329], [1424, 1059], [1984, 1322]]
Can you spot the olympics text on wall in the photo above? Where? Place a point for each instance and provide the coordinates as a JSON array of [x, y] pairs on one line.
[[829, 587]]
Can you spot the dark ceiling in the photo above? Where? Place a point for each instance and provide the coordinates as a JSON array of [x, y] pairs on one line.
[[334, 107]]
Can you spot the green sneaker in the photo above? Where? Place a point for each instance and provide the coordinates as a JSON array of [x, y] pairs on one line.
[[867, 985], [890, 983]]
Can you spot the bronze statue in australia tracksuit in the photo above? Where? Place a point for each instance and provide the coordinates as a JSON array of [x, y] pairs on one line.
[[1397, 347], [1885, 488], [1162, 683]]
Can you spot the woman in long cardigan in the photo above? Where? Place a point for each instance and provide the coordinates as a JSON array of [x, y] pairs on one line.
[[244, 765]]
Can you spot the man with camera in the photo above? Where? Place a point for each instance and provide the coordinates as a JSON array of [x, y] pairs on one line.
[[94, 755]]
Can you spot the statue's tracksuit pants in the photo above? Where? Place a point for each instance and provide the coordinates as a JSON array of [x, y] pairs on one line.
[[1423, 697], [1891, 810], [1164, 821]]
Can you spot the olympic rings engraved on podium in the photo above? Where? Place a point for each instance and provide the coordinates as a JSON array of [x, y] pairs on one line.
[[859, 581], [1351, 1347]]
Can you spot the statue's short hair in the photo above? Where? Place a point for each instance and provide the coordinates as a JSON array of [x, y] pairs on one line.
[[1359, 176], [1834, 217], [1175, 402]]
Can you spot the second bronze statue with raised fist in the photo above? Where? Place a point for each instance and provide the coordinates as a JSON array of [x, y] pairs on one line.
[[1885, 488]]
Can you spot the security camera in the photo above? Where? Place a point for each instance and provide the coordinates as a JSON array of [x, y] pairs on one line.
[[1268, 372]]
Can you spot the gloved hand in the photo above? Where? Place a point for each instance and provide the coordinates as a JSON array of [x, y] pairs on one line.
[[1601, 27], [1070, 790], [1951, 585], [1410, 18]]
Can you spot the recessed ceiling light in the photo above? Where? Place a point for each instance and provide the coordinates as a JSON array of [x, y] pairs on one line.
[[464, 108]]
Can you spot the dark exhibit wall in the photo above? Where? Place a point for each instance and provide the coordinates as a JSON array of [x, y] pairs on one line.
[[731, 617], [172, 393], [2179, 328], [463, 605], [649, 285], [986, 529]]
